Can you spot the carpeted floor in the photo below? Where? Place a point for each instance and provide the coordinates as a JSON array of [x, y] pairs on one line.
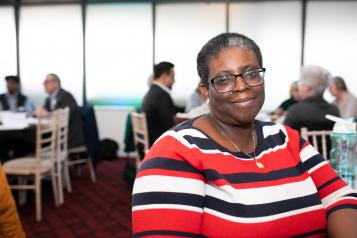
[[100, 210]]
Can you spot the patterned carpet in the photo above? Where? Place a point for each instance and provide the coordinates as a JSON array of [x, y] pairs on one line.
[[100, 210]]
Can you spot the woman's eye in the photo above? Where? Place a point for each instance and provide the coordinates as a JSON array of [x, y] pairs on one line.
[[222, 80], [250, 74]]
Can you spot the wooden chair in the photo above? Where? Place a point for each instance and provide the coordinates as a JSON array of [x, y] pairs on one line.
[[141, 135], [62, 167], [40, 166], [91, 142], [318, 139]]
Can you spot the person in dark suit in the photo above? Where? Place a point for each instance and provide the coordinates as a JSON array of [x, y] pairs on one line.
[[14, 100], [158, 104], [60, 98]]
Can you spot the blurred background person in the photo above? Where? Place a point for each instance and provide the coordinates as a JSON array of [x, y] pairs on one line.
[[158, 104], [311, 110], [197, 98], [13, 100], [344, 100], [60, 98], [294, 98]]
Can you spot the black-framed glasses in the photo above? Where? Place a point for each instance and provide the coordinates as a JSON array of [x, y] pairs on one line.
[[226, 83]]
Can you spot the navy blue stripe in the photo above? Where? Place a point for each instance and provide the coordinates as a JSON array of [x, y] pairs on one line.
[[213, 175], [328, 183], [302, 142], [149, 198], [342, 206], [311, 233], [261, 210], [202, 143], [313, 161], [168, 164], [351, 195], [270, 142], [167, 233]]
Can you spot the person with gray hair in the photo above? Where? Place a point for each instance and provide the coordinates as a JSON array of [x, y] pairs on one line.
[[60, 98], [345, 101], [311, 110], [226, 174]]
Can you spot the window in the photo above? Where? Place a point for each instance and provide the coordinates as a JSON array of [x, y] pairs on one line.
[[7, 45], [51, 41], [119, 52], [181, 31]]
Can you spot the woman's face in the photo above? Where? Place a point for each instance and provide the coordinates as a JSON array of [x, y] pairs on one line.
[[333, 89], [242, 104]]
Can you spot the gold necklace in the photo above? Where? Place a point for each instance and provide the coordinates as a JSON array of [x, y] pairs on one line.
[[259, 164]]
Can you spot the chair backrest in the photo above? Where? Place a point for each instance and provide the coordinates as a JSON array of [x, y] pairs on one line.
[[45, 139], [320, 140], [91, 133], [61, 116], [140, 131]]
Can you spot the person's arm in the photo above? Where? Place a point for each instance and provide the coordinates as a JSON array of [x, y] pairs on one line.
[[168, 193], [342, 223], [339, 200], [10, 225], [29, 108]]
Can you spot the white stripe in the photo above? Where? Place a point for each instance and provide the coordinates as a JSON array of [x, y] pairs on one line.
[[307, 152], [167, 206], [160, 183], [251, 196], [179, 136], [333, 197], [261, 219], [319, 165], [271, 130], [344, 198]]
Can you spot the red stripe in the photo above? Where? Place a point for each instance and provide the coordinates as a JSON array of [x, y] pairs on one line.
[[166, 219], [171, 173], [342, 202], [284, 227]]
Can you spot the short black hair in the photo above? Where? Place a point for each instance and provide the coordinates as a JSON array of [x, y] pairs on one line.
[[214, 46], [13, 78], [340, 83], [162, 68]]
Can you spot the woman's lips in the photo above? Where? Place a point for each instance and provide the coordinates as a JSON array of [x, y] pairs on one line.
[[242, 100]]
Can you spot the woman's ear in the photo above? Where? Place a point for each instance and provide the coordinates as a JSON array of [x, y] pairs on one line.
[[203, 88]]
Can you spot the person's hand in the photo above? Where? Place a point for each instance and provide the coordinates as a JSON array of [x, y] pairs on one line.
[[41, 112]]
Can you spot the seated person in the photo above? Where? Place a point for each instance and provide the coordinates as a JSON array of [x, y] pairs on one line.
[[226, 174], [345, 101], [60, 98], [158, 104], [14, 100], [311, 110], [196, 99], [294, 98]]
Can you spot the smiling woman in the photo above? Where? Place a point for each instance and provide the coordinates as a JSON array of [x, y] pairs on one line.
[[225, 174]]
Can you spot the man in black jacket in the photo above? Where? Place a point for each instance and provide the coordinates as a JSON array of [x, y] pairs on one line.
[[158, 104], [60, 98], [14, 100]]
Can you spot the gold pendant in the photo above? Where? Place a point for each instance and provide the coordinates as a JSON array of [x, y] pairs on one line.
[[259, 165]]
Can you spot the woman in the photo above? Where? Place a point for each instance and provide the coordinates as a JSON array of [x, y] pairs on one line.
[[294, 98], [225, 174]]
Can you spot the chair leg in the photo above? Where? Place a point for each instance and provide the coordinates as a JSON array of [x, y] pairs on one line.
[[60, 183], [67, 176], [91, 170], [22, 194], [55, 185], [38, 197]]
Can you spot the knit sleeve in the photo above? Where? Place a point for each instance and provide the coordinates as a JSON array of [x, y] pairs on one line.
[[334, 193], [168, 194]]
